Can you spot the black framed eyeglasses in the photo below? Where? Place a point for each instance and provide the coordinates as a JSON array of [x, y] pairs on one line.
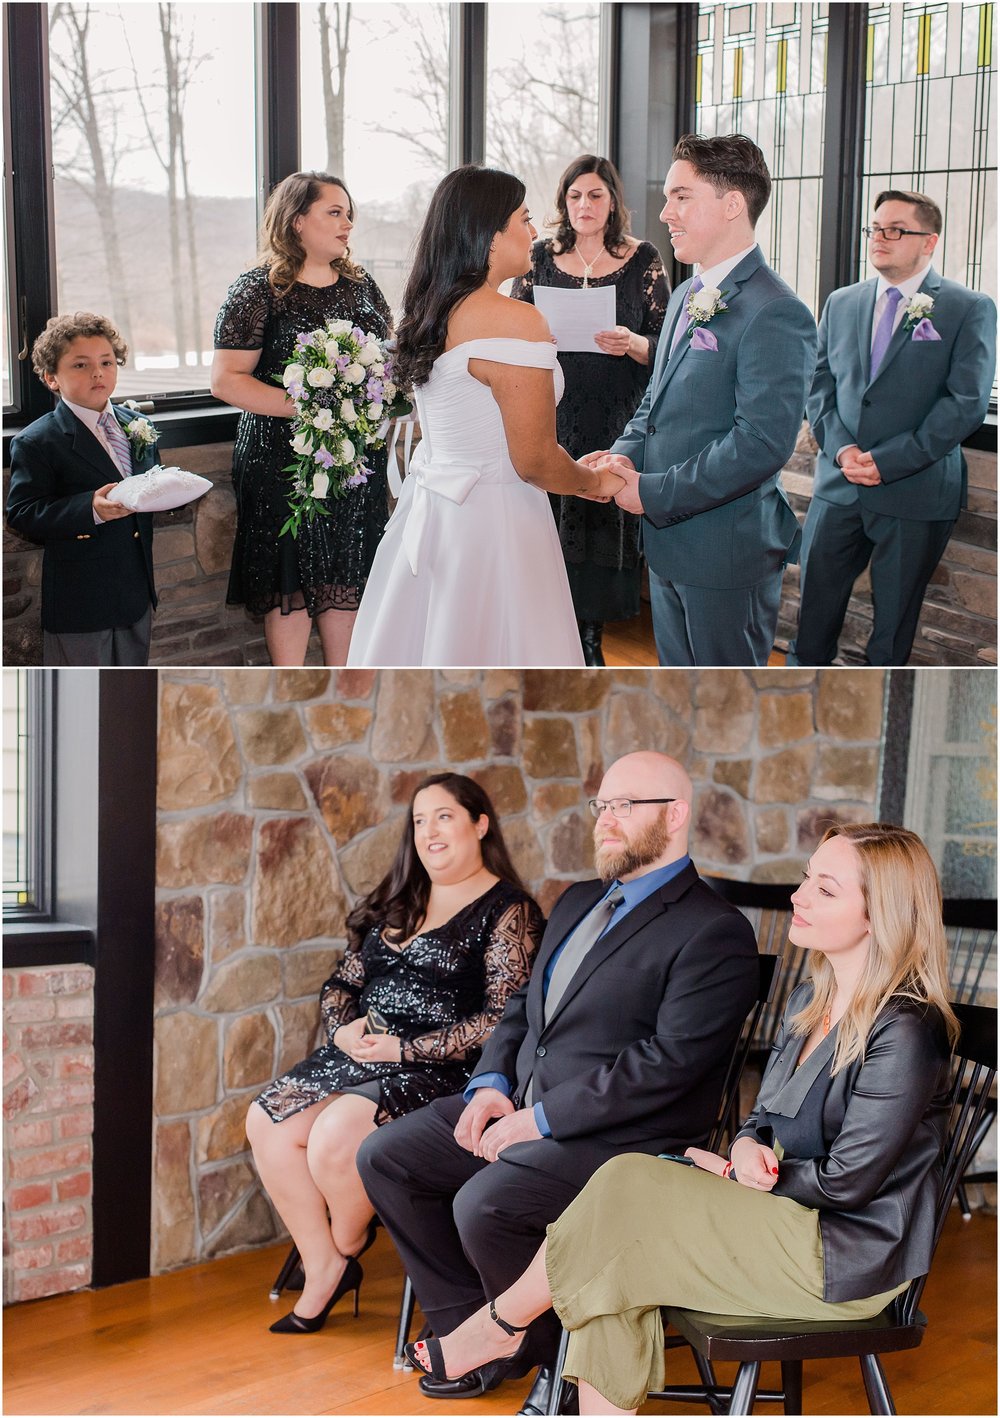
[[622, 807], [892, 233]]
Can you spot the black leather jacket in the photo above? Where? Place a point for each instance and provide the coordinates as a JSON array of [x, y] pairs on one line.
[[879, 1126]]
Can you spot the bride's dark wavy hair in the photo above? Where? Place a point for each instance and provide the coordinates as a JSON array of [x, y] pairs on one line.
[[399, 902], [452, 259]]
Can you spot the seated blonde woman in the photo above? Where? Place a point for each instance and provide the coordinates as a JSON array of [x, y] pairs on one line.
[[835, 1169]]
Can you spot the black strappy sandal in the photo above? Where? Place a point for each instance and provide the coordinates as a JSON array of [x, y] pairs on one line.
[[437, 1384]]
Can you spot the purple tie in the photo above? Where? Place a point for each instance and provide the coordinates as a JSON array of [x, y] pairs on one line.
[[883, 331], [117, 440], [696, 285]]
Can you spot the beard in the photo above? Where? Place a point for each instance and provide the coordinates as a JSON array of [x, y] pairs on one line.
[[614, 861]]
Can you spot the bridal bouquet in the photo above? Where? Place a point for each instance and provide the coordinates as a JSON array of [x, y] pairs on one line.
[[340, 380]]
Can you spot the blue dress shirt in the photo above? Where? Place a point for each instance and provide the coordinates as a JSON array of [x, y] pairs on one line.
[[634, 892]]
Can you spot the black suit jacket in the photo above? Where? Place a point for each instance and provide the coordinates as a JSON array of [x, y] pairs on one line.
[[884, 1117], [95, 576], [635, 1057]]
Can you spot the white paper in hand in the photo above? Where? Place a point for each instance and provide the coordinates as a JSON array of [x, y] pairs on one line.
[[576, 316], [159, 490]]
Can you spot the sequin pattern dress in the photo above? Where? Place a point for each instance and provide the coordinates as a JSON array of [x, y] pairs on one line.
[[442, 994], [600, 542], [327, 566]]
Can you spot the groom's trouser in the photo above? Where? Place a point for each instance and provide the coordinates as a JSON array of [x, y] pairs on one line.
[[465, 1229], [699, 625], [838, 541]]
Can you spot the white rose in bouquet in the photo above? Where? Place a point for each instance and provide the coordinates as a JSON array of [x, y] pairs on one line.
[[323, 420], [347, 451], [320, 378], [374, 411], [320, 485], [294, 374], [369, 354], [354, 374], [390, 391], [339, 327], [348, 412], [302, 444], [332, 350]]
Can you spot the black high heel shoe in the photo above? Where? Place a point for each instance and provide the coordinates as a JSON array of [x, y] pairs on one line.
[[437, 1384], [299, 1324]]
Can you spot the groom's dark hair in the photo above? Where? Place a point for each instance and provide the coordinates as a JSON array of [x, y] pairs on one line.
[[731, 163], [452, 259]]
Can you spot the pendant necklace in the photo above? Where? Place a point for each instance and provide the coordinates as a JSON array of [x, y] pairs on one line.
[[588, 269]]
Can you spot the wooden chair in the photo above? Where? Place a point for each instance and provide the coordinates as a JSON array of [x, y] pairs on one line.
[[749, 1343]]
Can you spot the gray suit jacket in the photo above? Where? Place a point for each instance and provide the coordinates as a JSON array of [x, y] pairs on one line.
[[927, 396], [714, 430]]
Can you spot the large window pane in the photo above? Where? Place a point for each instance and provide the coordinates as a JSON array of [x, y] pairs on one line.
[[928, 126], [153, 146], [374, 109], [761, 70], [19, 886], [542, 77]]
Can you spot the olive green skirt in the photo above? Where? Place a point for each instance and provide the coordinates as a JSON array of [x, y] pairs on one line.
[[645, 1233]]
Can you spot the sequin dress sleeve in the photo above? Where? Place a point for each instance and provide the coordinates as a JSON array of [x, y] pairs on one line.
[[442, 994]]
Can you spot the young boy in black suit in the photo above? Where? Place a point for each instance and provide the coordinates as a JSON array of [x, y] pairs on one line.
[[97, 571]]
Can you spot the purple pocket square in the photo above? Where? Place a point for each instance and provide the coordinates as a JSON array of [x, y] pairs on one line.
[[924, 330], [704, 340]]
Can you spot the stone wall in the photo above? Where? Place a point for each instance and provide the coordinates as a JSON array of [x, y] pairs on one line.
[[282, 795], [192, 548], [48, 1063]]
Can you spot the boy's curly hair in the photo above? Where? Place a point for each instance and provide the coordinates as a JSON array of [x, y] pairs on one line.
[[62, 330]]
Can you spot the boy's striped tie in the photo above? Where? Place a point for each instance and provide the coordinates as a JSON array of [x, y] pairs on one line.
[[117, 440]]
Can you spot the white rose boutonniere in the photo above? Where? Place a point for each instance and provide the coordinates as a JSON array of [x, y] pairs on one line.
[[703, 305], [142, 436], [918, 308]]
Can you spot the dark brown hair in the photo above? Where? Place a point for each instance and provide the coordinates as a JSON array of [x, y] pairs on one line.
[[928, 211], [399, 902], [619, 218], [731, 163], [452, 259], [62, 330], [280, 248]]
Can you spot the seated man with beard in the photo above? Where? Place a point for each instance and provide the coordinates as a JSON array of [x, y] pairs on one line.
[[619, 1042]]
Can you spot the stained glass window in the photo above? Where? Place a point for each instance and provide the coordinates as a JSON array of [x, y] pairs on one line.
[[761, 70], [930, 72]]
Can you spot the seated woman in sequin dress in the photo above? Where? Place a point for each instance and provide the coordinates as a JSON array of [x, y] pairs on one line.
[[436, 950], [306, 277], [837, 1166]]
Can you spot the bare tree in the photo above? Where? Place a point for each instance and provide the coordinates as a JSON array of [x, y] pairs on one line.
[[334, 45], [428, 30], [85, 103]]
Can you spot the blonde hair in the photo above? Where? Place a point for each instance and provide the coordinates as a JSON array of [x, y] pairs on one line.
[[62, 330], [280, 248], [907, 954]]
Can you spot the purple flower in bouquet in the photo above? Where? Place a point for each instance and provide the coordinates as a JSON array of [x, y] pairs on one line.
[[375, 390], [342, 361], [324, 458]]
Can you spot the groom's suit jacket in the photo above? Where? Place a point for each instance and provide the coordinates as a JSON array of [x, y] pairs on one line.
[[95, 575], [927, 397], [634, 1058], [714, 430]]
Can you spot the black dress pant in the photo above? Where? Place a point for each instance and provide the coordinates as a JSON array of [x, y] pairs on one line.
[[465, 1229]]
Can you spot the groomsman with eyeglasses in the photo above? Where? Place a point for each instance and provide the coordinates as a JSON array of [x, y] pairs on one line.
[[905, 366]]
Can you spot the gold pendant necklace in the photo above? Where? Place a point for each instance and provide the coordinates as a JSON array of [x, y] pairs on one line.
[[588, 270]]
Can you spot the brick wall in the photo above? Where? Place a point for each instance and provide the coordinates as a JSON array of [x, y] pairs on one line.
[[48, 1059]]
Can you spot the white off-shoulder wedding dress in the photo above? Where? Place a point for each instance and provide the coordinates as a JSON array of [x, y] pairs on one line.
[[469, 570]]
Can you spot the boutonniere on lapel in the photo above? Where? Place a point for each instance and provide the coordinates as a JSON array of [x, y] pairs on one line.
[[142, 436], [703, 306], [917, 317]]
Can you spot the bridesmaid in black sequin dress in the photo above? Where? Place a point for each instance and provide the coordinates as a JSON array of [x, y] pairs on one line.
[[436, 950], [592, 248], [306, 279]]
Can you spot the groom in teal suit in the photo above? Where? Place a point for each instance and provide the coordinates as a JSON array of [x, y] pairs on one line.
[[903, 376], [703, 454]]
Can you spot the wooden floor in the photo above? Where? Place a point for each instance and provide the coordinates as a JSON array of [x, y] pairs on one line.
[[197, 1342], [630, 643]]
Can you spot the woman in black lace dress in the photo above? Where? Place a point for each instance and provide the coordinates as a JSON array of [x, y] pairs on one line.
[[306, 278], [592, 247], [435, 952]]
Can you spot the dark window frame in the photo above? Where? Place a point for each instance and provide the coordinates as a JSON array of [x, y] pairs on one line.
[[40, 688]]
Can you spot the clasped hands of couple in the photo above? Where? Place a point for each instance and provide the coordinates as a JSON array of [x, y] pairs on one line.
[[619, 479], [490, 1123]]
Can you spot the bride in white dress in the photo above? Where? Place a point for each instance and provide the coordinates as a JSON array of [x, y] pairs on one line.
[[470, 570]]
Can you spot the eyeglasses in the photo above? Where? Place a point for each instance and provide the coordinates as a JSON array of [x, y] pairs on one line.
[[622, 807], [892, 233]]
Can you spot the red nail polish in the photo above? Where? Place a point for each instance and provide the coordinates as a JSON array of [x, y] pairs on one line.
[[774, 1171]]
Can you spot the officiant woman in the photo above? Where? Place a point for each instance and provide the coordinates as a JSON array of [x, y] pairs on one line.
[[304, 277], [592, 247]]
